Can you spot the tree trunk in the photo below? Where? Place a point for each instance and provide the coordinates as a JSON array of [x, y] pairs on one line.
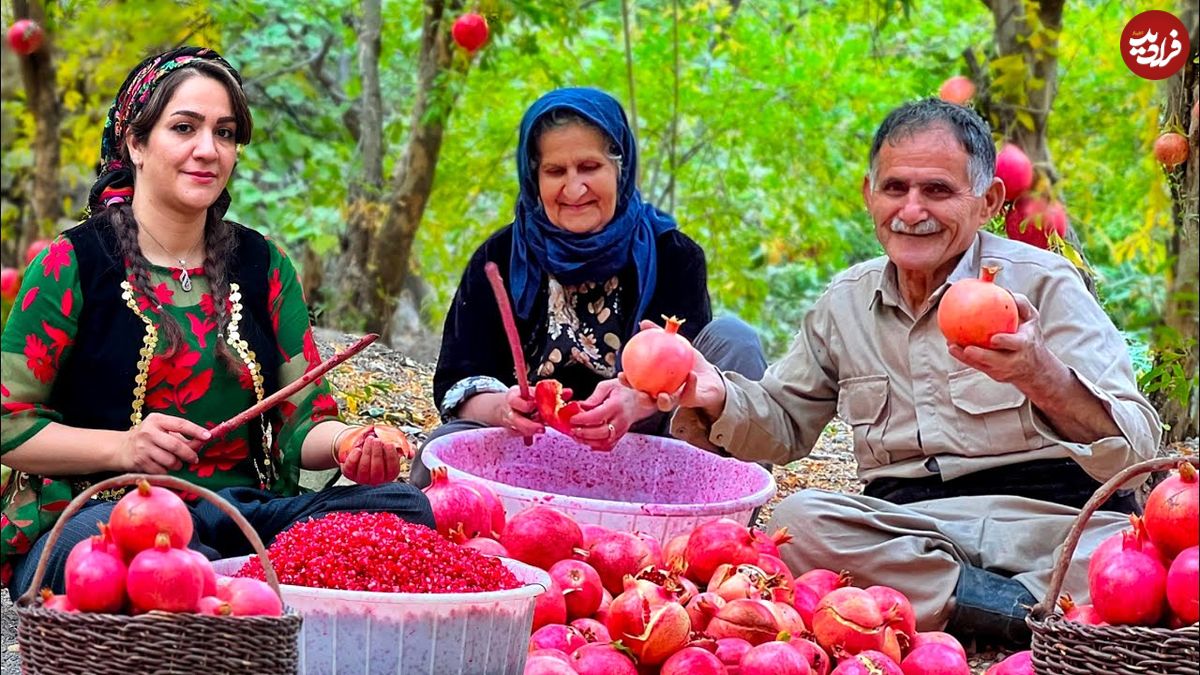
[[348, 270], [1179, 340], [38, 76], [412, 180]]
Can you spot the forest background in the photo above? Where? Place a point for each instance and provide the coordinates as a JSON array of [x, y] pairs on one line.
[[383, 153]]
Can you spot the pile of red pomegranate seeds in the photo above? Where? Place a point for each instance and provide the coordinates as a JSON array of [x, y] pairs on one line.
[[378, 552]]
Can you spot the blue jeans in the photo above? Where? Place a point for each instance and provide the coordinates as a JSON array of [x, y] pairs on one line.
[[727, 342], [217, 535]]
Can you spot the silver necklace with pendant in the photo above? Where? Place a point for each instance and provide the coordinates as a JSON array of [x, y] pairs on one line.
[[185, 279]]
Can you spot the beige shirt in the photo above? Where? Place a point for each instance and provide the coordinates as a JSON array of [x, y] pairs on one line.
[[914, 409]]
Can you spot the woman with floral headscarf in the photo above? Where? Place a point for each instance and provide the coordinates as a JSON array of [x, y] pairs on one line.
[[584, 259], [156, 319]]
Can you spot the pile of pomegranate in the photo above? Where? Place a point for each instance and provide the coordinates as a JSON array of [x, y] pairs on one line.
[[139, 562], [1149, 575]]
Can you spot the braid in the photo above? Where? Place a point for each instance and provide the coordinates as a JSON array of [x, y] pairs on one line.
[[220, 240], [125, 226]]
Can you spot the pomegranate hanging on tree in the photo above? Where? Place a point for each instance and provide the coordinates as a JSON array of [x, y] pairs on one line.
[[470, 31], [25, 37]]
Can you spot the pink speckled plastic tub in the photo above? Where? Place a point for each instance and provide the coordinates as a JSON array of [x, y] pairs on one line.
[[660, 486]]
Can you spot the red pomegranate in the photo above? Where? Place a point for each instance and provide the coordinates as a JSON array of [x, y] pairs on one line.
[[541, 536], [973, 310], [602, 659], [25, 37], [95, 574], [550, 607], [1085, 614], [142, 514], [693, 661], [1020, 663], [649, 621], [459, 511], [934, 659], [35, 248], [617, 554], [10, 283], [1183, 585], [774, 658], [754, 621], [1171, 149], [1032, 219], [165, 578], [581, 586], [958, 89], [715, 543], [1129, 587], [470, 31], [1172, 512], [1014, 168], [849, 619], [657, 360]]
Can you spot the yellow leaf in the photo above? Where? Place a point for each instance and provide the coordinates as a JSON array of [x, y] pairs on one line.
[[1025, 119]]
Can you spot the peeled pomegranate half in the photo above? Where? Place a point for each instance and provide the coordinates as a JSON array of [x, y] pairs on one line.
[[973, 310]]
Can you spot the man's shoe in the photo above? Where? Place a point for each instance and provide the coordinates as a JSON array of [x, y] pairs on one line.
[[991, 608]]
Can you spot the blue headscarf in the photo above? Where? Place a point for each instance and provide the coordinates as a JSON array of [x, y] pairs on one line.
[[539, 246]]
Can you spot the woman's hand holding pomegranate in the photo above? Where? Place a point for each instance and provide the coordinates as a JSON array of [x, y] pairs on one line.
[[161, 443], [370, 455], [609, 413]]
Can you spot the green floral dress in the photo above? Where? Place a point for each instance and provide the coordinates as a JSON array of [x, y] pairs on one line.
[[191, 383]]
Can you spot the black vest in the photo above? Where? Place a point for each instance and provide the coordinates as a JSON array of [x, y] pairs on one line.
[[94, 386]]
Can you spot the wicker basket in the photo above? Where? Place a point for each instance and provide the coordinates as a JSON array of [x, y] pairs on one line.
[[62, 643], [1062, 647]]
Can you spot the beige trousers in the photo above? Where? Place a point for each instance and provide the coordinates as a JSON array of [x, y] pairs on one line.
[[916, 548]]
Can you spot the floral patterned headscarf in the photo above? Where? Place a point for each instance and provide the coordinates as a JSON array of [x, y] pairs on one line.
[[114, 184]]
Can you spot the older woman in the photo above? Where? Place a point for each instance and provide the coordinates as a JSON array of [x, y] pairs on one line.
[[585, 258], [155, 319]]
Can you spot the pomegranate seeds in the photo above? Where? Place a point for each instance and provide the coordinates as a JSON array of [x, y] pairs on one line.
[[378, 552]]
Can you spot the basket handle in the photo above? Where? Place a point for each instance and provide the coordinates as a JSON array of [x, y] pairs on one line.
[[162, 481], [1046, 606]]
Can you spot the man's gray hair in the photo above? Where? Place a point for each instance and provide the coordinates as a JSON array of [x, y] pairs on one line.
[[971, 131], [565, 117]]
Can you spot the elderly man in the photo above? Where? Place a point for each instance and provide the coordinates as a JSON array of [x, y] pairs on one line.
[[975, 459]]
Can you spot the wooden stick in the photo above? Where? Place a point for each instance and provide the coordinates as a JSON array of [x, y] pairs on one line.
[[222, 429], [510, 330]]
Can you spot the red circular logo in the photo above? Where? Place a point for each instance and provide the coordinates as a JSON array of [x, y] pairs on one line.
[[1155, 44]]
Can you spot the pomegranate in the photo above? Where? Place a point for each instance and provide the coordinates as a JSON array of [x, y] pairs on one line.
[[459, 511], [935, 659], [939, 638], [213, 606], [1173, 512], [1136, 535], [25, 37], [679, 588], [1129, 587], [494, 506], [552, 407], [58, 603], [849, 619], [824, 581], [754, 621], [10, 283], [580, 585], [550, 606], [702, 608], [591, 533], [544, 664], [805, 600], [1085, 614], [36, 248], [774, 658], [973, 310], [769, 544], [541, 536], [359, 435], [693, 661], [601, 614], [673, 552], [616, 554], [556, 636], [250, 597], [812, 652], [142, 514], [1171, 149], [1183, 586], [734, 582], [1014, 168], [788, 619], [897, 610], [592, 630], [206, 571], [164, 578], [604, 659], [658, 360], [958, 89], [552, 653], [717, 542], [487, 546], [95, 574], [867, 663], [470, 31], [1020, 663], [655, 546], [731, 650], [1032, 219], [648, 620], [779, 578]]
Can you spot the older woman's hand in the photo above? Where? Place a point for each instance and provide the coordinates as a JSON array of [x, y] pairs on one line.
[[609, 413], [371, 455], [516, 412]]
